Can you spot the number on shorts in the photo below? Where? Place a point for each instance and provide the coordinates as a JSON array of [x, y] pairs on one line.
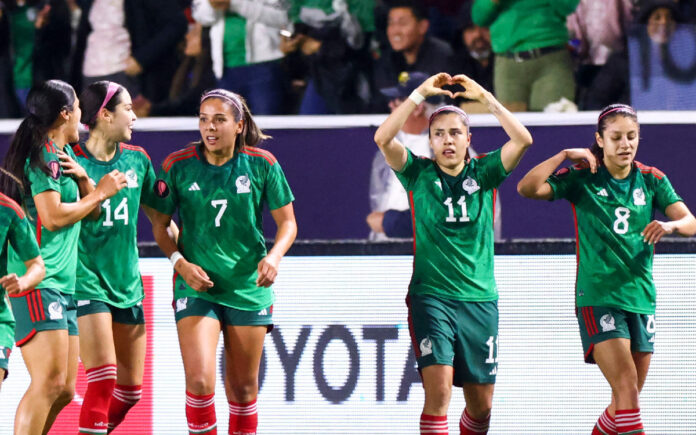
[[223, 206], [450, 210], [121, 212], [492, 350], [621, 222], [650, 324]]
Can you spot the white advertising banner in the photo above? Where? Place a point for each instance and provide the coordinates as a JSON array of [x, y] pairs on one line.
[[339, 360]]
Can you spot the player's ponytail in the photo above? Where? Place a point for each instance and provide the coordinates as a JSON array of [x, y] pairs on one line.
[[45, 101], [607, 114]]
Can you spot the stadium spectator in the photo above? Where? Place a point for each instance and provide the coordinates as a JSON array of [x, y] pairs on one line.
[[614, 198], [327, 54], [475, 58], [410, 47], [9, 103], [41, 42], [132, 43], [532, 65], [597, 31], [193, 76], [390, 215], [245, 48]]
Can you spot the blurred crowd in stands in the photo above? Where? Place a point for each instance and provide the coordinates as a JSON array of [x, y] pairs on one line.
[[328, 56]]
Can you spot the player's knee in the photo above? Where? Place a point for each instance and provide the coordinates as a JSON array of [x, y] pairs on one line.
[[437, 398], [244, 391], [480, 410], [53, 386], [627, 387], [200, 385]]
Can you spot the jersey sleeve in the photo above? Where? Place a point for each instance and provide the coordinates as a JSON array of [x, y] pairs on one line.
[[491, 172], [564, 183], [409, 173], [276, 189], [41, 181], [165, 198], [22, 239], [147, 194], [664, 194]]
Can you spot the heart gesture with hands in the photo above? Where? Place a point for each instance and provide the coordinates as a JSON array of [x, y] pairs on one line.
[[472, 90], [433, 85]]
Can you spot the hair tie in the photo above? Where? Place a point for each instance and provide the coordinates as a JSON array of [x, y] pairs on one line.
[[110, 91], [617, 109], [226, 95], [450, 108]]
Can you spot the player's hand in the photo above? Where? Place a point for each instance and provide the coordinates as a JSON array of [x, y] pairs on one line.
[[111, 183], [13, 284], [433, 85], [133, 67], [653, 232], [71, 167], [268, 270], [194, 275], [472, 90], [577, 155]]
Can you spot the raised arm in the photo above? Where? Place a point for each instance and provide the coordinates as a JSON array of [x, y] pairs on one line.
[[284, 218], [534, 186], [55, 214], [520, 138], [393, 150]]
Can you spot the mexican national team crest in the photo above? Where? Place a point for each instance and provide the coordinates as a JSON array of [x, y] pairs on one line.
[[161, 189], [426, 346], [470, 185], [243, 184], [607, 323], [639, 196], [131, 178], [54, 169], [181, 304], [55, 311]]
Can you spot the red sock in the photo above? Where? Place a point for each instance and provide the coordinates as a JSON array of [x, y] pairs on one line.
[[243, 418], [200, 414], [100, 385], [605, 425], [628, 422], [433, 424], [469, 425], [124, 398]]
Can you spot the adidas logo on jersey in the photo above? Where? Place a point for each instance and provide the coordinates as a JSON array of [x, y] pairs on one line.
[[263, 312], [603, 192], [194, 187]]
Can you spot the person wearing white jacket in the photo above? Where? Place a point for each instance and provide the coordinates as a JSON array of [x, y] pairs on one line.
[[244, 44]]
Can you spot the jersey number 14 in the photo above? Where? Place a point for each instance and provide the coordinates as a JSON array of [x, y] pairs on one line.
[[119, 213]]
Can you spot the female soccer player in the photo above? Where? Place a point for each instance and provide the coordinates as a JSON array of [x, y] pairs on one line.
[[109, 293], [452, 298], [58, 194], [15, 229], [613, 199], [223, 272]]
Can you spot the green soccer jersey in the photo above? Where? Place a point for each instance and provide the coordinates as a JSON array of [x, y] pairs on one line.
[[108, 268], [220, 217], [453, 224], [58, 248], [614, 263], [15, 229]]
